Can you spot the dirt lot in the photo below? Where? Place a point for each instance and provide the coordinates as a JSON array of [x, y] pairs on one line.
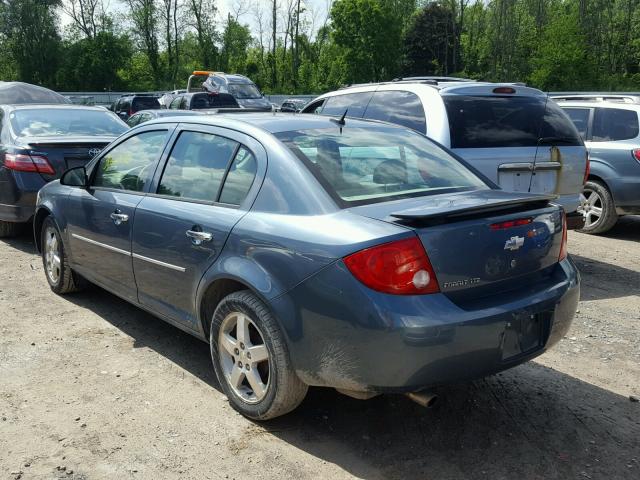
[[92, 388]]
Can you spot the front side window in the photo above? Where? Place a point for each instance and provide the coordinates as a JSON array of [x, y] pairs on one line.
[[610, 124], [353, 103], [501, 121], [580, 118], [239, 178], [402, 108], [129, 166], [315, 107], [369, 165], [196, 166], [45, 122]]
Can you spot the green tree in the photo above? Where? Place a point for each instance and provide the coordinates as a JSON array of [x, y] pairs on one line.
[[236, 39], [29, 31], [369, 33], [430, 42]]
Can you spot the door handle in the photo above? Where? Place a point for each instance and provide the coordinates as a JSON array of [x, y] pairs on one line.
[[119, 218], [198, 238]]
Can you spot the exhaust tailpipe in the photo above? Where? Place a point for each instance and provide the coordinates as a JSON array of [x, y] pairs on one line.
[[425, 399]]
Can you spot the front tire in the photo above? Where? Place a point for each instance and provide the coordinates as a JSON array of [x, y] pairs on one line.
[[251, 360], [598, 208], [61, 278]]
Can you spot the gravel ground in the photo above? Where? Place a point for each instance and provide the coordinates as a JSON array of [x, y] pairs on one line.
[[92, 388]]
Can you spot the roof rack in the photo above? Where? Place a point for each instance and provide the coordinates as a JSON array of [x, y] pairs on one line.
[[598, 97], [425, 80]]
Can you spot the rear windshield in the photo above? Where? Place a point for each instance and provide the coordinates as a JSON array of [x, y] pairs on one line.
[[210, 100], [368, 165], [44, 122], [244, 90], [145, 103], [489, 122]]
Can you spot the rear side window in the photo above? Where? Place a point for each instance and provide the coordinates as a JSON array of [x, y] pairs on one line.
[[355, 103], [614, 124], [493, 121], [240, 178], [175, 103], [196, 167], [145, 103], [402, 108], [580, 118]]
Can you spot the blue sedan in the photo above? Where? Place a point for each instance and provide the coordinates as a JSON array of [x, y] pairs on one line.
[[314, 251]]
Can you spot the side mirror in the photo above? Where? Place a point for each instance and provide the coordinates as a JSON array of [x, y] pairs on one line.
[[75, 177]]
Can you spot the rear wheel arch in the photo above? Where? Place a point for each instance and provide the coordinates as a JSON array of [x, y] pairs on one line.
[[213, 295], [38, 221]]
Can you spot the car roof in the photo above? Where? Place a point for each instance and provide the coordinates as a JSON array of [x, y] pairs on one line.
[[274, 122], [234, 78], [598, 104], [57, 106], [442, 88]]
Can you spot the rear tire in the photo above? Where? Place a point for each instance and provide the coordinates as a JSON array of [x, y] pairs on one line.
[[10, 229], [598, 208], [61, 278], [261, 387]]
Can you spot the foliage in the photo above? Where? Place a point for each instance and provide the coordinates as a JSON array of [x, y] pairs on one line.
[[155, 44]]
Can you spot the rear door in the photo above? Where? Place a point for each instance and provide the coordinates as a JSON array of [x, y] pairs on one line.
[[99, 218], [181, 228], [522, 141]]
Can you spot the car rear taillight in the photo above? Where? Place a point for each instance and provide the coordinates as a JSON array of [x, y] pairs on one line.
[[22, 162], [401, 268], [563, 245], [636, 153], [587, 169]]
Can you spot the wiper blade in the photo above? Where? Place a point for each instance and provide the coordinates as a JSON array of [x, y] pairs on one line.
[[555, 140]]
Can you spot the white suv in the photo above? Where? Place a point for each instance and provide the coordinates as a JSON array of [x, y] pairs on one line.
[[512, 134]]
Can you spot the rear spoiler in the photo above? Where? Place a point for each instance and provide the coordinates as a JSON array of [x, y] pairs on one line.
[[449, 208]]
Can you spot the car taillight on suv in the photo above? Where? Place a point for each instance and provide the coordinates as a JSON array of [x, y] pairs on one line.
[[24, 162], [636, 153], [401, 268]]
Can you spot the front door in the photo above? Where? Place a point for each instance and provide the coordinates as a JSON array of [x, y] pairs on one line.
[[181, 229], [100, 217]]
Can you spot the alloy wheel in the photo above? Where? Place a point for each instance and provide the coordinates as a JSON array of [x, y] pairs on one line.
[[244, 357], [52, 255], [591, 207]]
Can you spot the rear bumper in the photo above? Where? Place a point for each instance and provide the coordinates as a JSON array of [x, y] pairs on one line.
[[626, 194], [343, 335], [18, 194]]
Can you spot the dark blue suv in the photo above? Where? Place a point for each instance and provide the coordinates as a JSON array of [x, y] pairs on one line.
[[611, 131]]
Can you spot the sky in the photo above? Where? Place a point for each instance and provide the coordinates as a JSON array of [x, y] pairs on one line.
[[318, 10]]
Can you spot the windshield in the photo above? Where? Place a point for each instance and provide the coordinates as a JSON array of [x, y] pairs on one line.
[[60, 121], [490, 121], [368, 165], [244, 90]]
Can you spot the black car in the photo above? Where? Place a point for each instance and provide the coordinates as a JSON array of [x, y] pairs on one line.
[[146, 115], [37, 144], [203, 101], [127, 105], [293, 105]]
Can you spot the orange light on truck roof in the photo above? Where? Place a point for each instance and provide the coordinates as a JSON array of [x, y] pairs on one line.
[[202, 72]]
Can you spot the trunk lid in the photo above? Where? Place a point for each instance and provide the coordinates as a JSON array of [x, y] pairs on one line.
[[66, 152], [483, 241]]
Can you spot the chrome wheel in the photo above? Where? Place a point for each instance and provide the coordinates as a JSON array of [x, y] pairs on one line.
[[244, 357], [591, 207], [52, 255]]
